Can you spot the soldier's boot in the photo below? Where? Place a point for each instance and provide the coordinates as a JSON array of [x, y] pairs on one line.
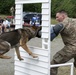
[[53, 71], [74, 64], [4, 48]]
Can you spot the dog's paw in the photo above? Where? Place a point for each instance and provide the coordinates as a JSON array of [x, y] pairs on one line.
[[5, 57], [34, 55], [21, 59]]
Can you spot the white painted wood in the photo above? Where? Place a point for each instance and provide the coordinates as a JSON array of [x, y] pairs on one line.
[[19, 14], [45, 23], [35, 62], [45, 11], [42, 57], [40, 65], [18, 6], [20, 73], [18, 22], [28, 71], [45, 5], [45, 17], [17, 17], [30, 1], [45, 29], [37, 51], [18, 11], [45, 35], [30, 65]]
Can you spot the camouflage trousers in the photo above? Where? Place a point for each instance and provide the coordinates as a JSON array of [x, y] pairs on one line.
[[62, 56]]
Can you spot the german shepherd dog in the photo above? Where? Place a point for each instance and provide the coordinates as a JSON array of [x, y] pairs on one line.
[[16, 38]]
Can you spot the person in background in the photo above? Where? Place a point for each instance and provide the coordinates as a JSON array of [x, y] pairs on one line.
[[26, 22], [12, 11], [35, 20], [1, 21], [5, 25]]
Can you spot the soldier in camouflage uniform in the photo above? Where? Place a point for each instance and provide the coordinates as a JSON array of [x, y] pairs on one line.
[[68, 34]]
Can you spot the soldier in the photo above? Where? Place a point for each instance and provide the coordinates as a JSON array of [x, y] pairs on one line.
[[68, 34], [12, 11]]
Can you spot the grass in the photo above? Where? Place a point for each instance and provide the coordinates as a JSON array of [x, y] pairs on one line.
[[3, 16], [53, 21]]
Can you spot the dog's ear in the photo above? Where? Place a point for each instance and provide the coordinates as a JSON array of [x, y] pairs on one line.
[[35, 27], [39, 32]]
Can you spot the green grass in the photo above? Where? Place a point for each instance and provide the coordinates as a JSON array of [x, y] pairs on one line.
[[3, 16], [53, 21]]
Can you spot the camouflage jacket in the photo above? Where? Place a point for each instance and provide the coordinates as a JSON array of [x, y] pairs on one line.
[[68, 33]]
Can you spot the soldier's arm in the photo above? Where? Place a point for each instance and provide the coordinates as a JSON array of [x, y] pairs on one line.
[[55, 30]]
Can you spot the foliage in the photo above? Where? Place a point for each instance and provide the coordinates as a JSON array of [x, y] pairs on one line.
[[5, 6], [67, 5], [56, 5], [32, 7]]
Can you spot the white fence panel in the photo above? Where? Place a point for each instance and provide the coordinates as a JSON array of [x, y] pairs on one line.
[[18, 11], [17, 17], [38, 66], [30, 1]]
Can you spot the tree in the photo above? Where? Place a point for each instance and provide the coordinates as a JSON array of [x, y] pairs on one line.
[[67, 5], [32, 7], [5, 6]]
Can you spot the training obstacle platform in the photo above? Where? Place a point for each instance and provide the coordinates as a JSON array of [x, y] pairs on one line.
[[40, 65]]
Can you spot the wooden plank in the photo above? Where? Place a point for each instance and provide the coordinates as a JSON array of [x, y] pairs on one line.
[[45, 11], [20, 73], [17, 17], [33, 62], [37, 51], [45, 5], [18, 22], [45, 23], [45, 29], [30, 1], [18, 6], [18, 11], [45, 17], [29, 71], [31, 67], [40, 58], [45, 35]]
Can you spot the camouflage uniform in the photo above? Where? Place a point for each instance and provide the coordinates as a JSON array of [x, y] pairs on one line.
[[68, 35]]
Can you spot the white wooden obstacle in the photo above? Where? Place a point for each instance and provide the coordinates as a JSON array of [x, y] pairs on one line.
[[31, 66], [40, 66]]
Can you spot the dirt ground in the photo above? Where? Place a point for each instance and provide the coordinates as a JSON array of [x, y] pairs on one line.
[[7, 66]]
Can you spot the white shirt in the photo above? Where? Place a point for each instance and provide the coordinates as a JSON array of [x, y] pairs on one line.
[[6, 23]]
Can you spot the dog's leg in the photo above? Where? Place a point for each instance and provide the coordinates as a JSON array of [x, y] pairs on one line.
[[24, 46], [28, 51], [18, 53], [4, 57], [4, 47]]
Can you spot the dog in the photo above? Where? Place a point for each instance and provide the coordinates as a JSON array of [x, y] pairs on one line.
[[16, 38]]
